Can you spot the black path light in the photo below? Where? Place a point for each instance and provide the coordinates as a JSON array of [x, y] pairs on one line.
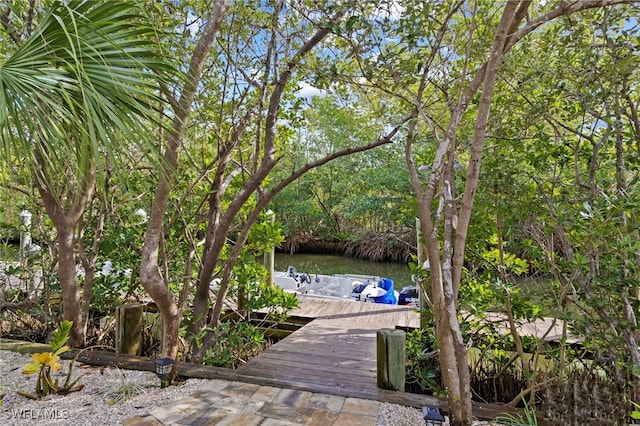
[[432, 416], [163, 368]]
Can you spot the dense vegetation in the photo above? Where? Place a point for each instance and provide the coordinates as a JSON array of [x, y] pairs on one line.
[[150, 139]]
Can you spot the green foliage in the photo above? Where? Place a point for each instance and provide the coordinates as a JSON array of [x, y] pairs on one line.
[[378, 192], [53, 87], [635, 414], [423, 367], [236, 343], [279, 302], [528, 418], [111, 289], [250, 275], [126, 387], [265, 235]]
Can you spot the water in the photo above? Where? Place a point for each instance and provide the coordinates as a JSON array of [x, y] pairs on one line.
[[332, 264]]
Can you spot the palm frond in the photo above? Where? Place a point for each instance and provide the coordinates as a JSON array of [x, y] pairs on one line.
[[85, 83]]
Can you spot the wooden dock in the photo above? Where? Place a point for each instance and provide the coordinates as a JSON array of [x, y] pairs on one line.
[[334, 353], [337, 348]]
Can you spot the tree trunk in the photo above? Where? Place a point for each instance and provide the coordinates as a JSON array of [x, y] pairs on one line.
[[69, 284], [65, 221], [446, 268], [150, 276]]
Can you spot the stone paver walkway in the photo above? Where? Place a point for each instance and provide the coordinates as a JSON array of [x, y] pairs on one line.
[[234, 403]]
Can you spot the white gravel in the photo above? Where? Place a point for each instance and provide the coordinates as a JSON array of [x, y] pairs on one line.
[[90, 407], [85, 407]]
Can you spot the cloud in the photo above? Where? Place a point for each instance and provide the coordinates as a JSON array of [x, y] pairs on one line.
[[307, 91]]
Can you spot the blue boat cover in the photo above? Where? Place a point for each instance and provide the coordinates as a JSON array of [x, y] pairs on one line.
[[389, 297]]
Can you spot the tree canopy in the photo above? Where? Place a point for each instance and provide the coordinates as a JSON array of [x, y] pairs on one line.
[[510, 129]]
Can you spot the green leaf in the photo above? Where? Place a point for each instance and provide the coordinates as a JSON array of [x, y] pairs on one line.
[[60, 336]]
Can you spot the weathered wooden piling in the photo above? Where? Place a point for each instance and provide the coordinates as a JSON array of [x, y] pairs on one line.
[[391, 359], [129, 325]]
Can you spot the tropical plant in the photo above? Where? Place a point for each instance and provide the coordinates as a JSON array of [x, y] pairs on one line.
[[527, 418], [454, 122], [635, 413], [125, 386], [44, 363], [422, 363], [235, 344]]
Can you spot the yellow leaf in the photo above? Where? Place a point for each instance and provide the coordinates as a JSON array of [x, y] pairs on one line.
[[41, 358], [31, 368], [52, 362], [62, 350]]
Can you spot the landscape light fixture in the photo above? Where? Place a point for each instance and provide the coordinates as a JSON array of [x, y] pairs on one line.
[[163, 368], [25, 217], [432, 416]]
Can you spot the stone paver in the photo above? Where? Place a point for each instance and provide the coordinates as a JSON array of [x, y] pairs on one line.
[[236, 419], [321, 401], [205, 417], [216, 385], [167, 415], [363, 407], [265, 393], [239, 405], [351, 419], [315, 417], [142, 421], [276, 422], [243, 390], [245, 404]]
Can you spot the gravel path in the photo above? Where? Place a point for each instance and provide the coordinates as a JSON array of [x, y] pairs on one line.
[[85, 407], [90, 407]]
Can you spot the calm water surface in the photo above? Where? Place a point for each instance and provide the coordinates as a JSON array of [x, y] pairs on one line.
[[330, 264]]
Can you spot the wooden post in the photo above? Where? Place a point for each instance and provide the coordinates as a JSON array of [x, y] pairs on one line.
[[129, 325], [390, 359]]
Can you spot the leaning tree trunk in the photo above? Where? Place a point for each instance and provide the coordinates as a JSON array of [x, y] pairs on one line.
[[65, 221], [446, 256], [150, 276]]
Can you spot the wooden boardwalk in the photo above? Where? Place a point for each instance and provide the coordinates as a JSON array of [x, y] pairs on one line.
[[336, 353], [337, 348]]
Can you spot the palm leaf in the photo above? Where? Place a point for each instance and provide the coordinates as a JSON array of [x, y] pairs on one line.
[[84, 84]]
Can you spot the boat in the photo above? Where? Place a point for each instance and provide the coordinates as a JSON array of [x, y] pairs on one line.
[[354, 287]]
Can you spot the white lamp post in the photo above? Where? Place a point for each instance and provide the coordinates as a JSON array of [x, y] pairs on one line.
[[25, 234], [269, 256]]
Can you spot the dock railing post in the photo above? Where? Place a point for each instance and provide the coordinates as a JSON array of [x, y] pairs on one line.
[[391, 359]]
